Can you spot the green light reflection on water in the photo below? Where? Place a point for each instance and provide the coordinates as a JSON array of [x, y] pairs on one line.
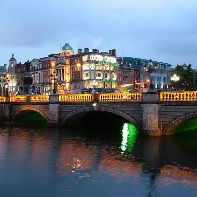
[[129, 137], [188, 126]]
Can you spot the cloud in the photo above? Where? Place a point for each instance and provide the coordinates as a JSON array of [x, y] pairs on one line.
[[154, 28]]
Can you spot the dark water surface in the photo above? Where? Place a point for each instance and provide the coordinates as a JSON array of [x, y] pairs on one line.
[[45, 162]]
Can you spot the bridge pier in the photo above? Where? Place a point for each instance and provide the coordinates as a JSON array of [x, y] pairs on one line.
[[5, 110], [150, 108], [53, 110]]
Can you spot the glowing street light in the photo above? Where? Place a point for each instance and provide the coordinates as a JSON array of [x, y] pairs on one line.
[[175, 78]]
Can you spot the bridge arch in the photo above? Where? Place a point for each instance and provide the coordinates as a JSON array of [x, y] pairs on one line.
[[168, 130], [102, 109], [34, 109]]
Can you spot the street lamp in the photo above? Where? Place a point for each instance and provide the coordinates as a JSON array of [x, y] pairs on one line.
[[6, 89], [175, 78], [2, 82], [54, 81], [149, 68]]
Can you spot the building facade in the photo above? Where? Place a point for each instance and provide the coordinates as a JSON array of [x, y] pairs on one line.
[[67, 72], [150, 74]]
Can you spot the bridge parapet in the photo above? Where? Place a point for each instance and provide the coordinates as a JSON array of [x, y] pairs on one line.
[[18, 99], [22, 99], [76, 98], [178, 96], [116, 97], [39, 98], [111, 97], [2, 99]]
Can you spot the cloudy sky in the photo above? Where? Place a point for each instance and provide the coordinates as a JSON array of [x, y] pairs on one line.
[[163, 30]]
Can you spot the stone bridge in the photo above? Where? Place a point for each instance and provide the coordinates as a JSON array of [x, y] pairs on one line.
[[153, 113]]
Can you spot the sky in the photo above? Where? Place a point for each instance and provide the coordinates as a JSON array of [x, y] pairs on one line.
[[161, 30]]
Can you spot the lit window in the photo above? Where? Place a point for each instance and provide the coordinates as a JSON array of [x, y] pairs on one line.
[[98, 75]]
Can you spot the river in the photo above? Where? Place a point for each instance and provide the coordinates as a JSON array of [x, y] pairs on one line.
[[75, 161]]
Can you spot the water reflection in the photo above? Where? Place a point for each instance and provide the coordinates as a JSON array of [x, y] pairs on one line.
[[59, 163], [129, 137]]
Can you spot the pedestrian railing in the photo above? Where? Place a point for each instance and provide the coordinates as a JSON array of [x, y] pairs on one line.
[[18, 99], [39, 98], [2, 99], [119, 97], [111, 97], [76, 98], [178, 96]]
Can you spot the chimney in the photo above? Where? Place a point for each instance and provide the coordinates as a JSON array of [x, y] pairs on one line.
[[95, 51], [79, 51], [86, 50], [113, 52]]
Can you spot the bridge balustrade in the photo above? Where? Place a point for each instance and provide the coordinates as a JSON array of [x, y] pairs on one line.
[[39, 98], [178, 96], [2, 99], [18, 99], [76, 98], [111, 97]]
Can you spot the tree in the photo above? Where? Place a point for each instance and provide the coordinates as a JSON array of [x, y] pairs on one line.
[[188, 77]]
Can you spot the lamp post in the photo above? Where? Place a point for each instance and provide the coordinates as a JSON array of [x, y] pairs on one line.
[[54, 82], [149, 68], [175, 78], [2, 82], [6, 89]]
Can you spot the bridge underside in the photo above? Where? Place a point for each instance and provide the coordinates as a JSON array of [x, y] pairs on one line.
[[96, 119], [184, 123], [27, 116]]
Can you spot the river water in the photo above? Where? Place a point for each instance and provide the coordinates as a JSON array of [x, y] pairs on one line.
[[37, 162]]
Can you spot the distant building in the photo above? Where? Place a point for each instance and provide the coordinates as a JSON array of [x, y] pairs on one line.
[[3, 68], [152, 73], [128, 74]]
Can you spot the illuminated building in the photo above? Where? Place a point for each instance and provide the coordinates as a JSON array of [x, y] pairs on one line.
[[150, 73], [93, 69], [66, 51], [128, 75], [2, 79], [48, 65], [11, 78], [70, 73], [63, 69]]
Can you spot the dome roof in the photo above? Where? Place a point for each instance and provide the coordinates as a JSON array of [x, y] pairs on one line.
[[67, 47], [12, 58]]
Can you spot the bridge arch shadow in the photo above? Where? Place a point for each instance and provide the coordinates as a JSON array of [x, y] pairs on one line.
[[106, 110], [30, 115], [170, 129]]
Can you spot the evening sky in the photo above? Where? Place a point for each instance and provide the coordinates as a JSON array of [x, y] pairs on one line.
[[163, 30]]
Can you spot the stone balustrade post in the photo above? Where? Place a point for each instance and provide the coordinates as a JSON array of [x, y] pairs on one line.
[[150, 107], [54, 110]]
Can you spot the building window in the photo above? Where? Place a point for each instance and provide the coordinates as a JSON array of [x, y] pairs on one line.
[[86, 74], [125, 78], [113, 76], [106, 75], [98, 75]]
